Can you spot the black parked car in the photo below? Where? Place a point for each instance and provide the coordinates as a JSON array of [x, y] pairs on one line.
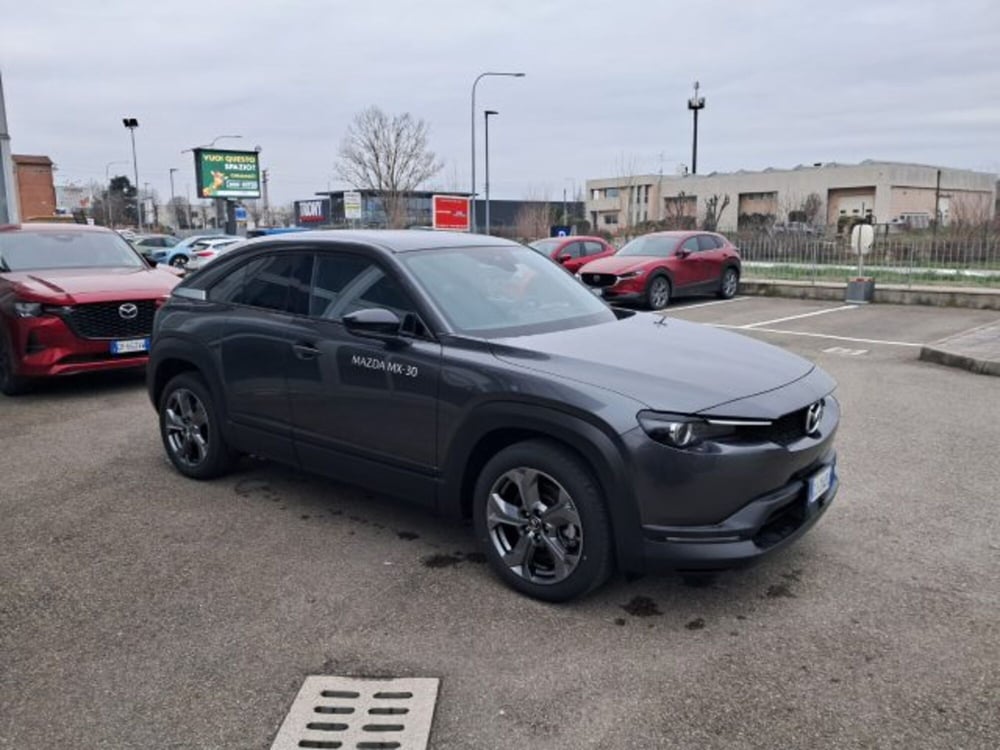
[[470, 375]]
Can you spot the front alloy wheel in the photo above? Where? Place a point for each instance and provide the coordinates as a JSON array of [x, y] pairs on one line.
[[187, 428], [534, 526], [730, 283], [658, 293]]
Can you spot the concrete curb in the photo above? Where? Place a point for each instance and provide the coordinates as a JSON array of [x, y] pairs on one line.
[[943, 296], [977, 350]]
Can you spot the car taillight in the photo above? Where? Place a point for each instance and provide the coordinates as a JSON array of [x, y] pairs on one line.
[[205, 253]]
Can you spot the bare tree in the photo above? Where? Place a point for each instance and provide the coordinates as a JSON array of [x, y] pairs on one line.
[[387, 154], [625, 172], [812, 208], [713, 211], [532, 221]]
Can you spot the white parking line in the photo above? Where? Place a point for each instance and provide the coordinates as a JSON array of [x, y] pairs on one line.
[[818, 335], [803, 315], [708, 304]]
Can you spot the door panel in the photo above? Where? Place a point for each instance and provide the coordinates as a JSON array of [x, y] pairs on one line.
[[712, 257], [688, 271]]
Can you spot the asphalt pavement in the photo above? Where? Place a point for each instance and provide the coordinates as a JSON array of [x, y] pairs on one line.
[[139, 609]]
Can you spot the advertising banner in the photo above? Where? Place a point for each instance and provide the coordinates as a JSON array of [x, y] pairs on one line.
[[227, 174], [315, 211], [352, 205], [451, 212]]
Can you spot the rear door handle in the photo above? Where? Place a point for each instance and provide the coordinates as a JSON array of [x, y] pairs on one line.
[[305, 351]]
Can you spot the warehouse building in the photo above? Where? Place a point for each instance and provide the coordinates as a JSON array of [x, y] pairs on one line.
[[828, 194]]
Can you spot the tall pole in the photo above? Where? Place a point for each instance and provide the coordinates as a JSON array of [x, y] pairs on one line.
[[473, 137], [173, 205], [486, 118], [267, 205], [131, 123], [8, 190], [695, 104]]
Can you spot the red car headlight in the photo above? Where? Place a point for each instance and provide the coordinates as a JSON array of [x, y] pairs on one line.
[[631, 275], [27, 309]]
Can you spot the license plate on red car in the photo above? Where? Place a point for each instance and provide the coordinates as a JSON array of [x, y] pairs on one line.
[[130, 346]]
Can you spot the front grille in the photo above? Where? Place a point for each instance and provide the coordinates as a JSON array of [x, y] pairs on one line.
[[103, 320], [600, 279], [783, 431]]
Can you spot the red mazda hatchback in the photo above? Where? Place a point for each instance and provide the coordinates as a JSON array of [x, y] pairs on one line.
[[574, 252], [654, 268], [73, 299]]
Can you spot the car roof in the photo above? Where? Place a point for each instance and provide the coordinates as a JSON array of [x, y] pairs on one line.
[[391, 240], [52, 227]]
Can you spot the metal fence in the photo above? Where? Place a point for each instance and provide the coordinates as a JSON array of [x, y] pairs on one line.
[[955, 261]]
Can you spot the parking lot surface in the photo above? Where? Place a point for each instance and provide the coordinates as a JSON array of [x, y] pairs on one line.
[[141, 609]]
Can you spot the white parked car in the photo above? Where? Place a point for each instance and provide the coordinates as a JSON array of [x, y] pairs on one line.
[[205, 251]]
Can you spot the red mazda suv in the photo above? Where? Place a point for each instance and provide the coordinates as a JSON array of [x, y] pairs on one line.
[[73, 298], [654, 268], [574, 252]]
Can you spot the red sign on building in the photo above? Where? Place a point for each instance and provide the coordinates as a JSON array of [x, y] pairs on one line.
[[451, 212]]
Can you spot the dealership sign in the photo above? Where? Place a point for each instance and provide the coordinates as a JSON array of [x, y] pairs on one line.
[[450, 212], [352, 205], [315, 211], [227, 174]]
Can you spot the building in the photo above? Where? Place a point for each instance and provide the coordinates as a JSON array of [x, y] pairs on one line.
[[821, 194], [507, 217], [36, 192]]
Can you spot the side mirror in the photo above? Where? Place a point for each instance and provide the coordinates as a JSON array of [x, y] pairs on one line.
[[682, 253], [564, 258], [376, 322]]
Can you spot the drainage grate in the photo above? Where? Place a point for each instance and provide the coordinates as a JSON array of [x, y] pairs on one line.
[[354, 713]]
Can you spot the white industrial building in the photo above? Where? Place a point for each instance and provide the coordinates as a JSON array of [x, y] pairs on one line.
[[819, 194]]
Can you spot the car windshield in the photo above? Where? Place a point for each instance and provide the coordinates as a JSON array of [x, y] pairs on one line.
[[32, 251], [655, 245], [503, 291], [545, 246]]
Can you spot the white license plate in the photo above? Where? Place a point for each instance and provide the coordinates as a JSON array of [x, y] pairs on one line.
[[819, 483], [129, 346], [598, 291]]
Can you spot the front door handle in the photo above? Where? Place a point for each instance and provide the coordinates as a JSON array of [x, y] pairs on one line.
[[305, 351]]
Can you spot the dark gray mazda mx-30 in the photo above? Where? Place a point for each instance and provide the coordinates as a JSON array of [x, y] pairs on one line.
[[471, 375]]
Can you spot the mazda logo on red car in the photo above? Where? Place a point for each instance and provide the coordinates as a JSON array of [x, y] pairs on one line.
[[128, 311]]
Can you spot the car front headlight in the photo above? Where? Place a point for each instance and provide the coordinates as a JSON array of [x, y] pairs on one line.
[[683, 431], [631, 274], [27, 309]]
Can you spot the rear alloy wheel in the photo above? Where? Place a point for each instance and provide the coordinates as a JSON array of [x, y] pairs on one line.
[[10, 384], [179, 261], [540, 519], [189, 427], [730, 283], [658, 293]]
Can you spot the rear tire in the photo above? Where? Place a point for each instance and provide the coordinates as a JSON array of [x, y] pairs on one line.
[[540, 519], [658, 293], [179, 261], [729, 284], [190, 427], [10, 384]]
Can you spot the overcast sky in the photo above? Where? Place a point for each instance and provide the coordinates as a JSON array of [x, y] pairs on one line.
[[786, 82]]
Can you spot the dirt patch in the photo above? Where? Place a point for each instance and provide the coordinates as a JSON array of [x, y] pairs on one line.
[[409, 536], [641, 606], [697, 623], [441, 561], [475, 557], [780, 591]]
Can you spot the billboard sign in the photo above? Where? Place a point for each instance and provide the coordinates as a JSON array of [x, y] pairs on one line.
[[352, 205], [450, 212], [315, 211], [227, 174]]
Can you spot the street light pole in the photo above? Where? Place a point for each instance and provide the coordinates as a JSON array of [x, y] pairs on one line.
[[131, 124], [173, 205], [486, 120], [695, 104], [473, 138]]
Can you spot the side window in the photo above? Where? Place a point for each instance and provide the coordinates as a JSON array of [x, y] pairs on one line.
[[572, 249], [707, 242], [274, 282], [691, 245], [332, 276], [593, 248]]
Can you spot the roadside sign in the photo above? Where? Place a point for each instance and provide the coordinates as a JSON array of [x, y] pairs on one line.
[[313, 211], [560, 230], [352, 205], [862, 238], [241, 213], [227, 174], [450, 212]]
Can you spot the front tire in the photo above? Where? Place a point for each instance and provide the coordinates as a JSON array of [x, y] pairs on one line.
[[729, 284], [10, 384], [540, 518], [190, 428], [658, 293], [179, 261]]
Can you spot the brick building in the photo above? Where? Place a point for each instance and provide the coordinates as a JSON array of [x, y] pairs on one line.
[[36, 192]]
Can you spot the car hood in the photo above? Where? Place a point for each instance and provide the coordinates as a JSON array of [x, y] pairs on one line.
[[77, 285], [618, 264], [669, 365]]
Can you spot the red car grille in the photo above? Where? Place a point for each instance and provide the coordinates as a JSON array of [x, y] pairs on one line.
[[104, 320], [599, 279]]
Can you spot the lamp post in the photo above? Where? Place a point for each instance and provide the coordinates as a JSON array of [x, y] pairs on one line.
[[131, 124], [473, 119], [108, 215], [486, 121], [695, 104], [173, 205]]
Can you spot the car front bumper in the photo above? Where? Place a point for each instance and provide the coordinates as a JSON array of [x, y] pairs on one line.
[[765, 525], [46, 347]]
